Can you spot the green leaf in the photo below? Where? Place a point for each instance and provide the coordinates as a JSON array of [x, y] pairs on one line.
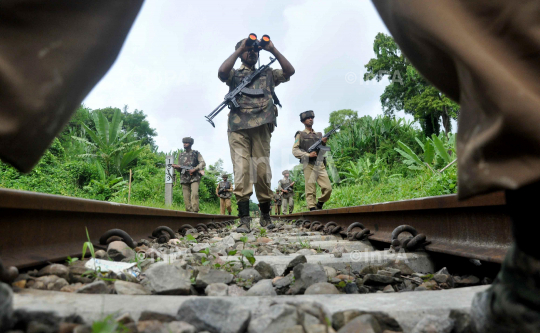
[[244, 239], [233, 252], [429, 153], [101, 172], [408, 153], [191, 238], [420, 143], [93, 135], [103, 127], [116, 125], [441, 151], [251, 260], [342, 284], [85, 245], [247, 253], [128, 157]]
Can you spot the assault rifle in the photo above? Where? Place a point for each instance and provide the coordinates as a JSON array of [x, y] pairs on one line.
[[318, 146], [222, 190], [186, 168], [288, 188], [238, 91]]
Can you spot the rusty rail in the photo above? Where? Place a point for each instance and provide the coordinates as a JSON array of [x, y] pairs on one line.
[[477, 228], [36, 228]]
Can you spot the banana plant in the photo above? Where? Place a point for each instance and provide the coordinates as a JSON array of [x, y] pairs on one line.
[[362, 170], [109, 144], [438, 153]]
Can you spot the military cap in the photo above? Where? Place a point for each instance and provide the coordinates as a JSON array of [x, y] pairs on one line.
[[224, 175], [306, 114], [285, 171], [188, 140]]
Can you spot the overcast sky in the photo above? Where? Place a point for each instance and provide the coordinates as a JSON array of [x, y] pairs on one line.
[[169, 63]]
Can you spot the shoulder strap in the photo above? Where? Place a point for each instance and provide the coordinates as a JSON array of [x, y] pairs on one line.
[[295, 134]]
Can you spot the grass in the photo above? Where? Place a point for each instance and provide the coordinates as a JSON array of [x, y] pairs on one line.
[[304, 243], [387, 189]]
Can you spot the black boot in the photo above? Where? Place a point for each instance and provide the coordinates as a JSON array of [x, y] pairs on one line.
[[229, 212], [313, 208], [265, 220], [319, 205], [245, 219]]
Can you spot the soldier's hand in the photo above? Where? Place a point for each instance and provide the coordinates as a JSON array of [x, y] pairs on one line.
[[313, 154], [324, 140], [192, 171], [243, 48], [270, 47], [176, 166]]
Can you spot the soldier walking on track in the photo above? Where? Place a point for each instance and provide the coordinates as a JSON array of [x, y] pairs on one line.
[[277, 203], [288, 195], [224, 192], [191, 167], [250, 127], [314, 167]]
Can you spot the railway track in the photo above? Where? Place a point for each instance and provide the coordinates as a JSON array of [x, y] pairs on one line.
[[315, 262], [39, 228]]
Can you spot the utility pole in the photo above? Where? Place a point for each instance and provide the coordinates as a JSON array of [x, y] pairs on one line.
[[169, 172]]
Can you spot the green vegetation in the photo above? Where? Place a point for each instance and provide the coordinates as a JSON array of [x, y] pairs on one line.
[[92, 157], [372, 159], [408, 90], [384, 159]]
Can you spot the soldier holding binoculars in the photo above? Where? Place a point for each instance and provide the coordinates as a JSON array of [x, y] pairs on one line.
[[251, 124]]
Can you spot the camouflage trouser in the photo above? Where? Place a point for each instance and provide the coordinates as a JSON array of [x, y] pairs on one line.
[[250, 154], [277, 209], [224, 204], [288, 202], [316, 174], [191, 196], [512, 303]]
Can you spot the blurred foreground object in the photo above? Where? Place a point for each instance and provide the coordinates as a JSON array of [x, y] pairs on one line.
[[52, 53]]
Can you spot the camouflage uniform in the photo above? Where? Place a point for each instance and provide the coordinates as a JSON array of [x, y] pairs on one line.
[[190, 183], [250, 129], [249, 132], [314, 170], [484, 54], [277, 203], [225, 197], [288, 198]]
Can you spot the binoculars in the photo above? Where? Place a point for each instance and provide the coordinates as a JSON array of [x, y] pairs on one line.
[[252, 41]]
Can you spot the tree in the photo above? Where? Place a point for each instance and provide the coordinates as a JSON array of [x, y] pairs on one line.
[[339, 117], [108, 144], [408, 91]]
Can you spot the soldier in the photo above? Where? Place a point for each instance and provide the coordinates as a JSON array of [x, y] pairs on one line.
[[314, 167], [190, 178], [277, 202], [250, 127], [288, 195], [226, 189], [484, 55]]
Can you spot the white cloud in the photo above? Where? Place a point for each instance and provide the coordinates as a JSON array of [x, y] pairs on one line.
[[168, 67]]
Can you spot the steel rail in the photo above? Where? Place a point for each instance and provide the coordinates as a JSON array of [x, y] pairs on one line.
[[477, 228], [36, 228]]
